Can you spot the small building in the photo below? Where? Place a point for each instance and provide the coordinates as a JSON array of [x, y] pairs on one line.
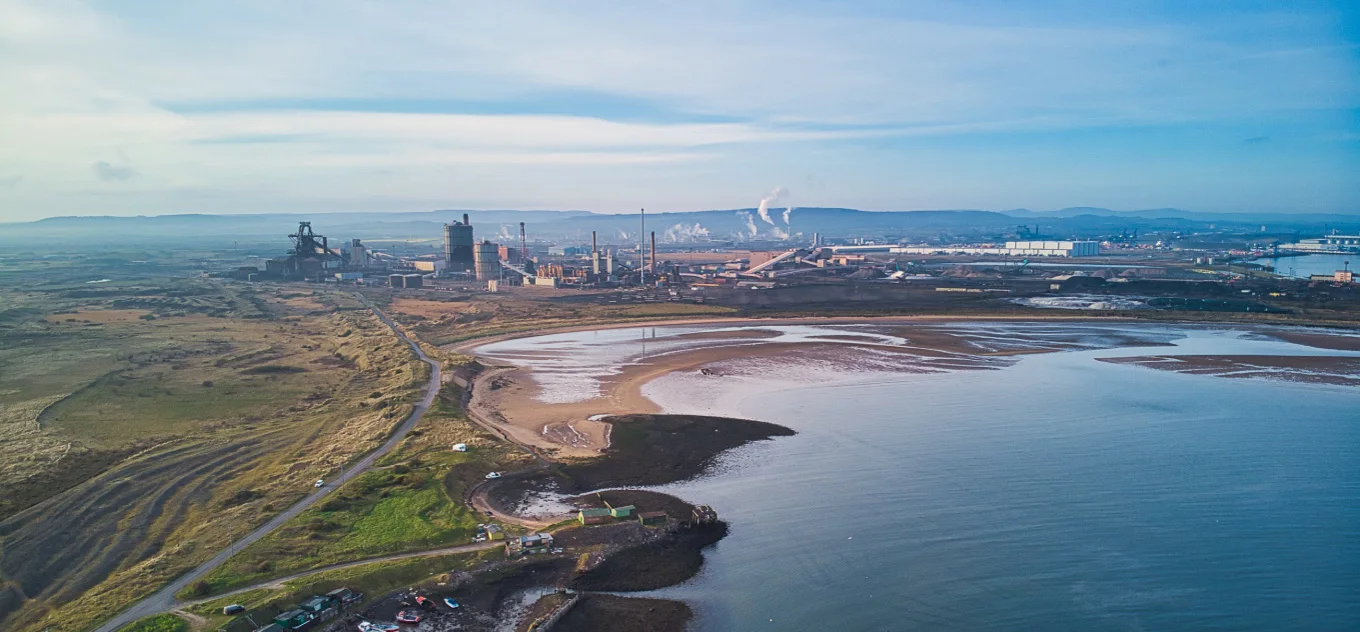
[[316, 604], [343, 595], [494, 532], [529, 544], [593, 516], [652, 518], [410, 281], [396, 280], [703, 514], [622, 512], [294, 619]]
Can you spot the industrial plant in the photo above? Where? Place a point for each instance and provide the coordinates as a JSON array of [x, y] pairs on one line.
[[499, 258]]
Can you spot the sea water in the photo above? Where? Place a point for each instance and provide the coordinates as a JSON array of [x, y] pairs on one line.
[[1058, 493]]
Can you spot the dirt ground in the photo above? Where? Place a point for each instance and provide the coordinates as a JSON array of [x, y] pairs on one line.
[[612, 613], [646, 450], [659, 563]]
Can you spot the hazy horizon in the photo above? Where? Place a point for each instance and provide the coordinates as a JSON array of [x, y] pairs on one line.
[[162, 108]]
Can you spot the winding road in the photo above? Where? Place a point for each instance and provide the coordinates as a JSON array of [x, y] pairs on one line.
[[164, 599]]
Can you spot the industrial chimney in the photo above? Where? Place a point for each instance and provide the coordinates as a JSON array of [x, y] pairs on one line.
[[594, 254], [653, 252], [465, 220]]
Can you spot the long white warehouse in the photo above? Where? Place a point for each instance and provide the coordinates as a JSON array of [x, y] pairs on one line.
[[1012, 248]]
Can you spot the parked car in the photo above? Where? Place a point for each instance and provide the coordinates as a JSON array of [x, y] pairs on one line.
[[406, 616], [320, 483], [493, 475], [460, 447], [235, 608]]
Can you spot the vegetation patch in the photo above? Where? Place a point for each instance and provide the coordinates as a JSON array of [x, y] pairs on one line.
[[158, 623]]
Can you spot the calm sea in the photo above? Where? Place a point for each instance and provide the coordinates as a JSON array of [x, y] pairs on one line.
[[1306, 265], [1060, 493]]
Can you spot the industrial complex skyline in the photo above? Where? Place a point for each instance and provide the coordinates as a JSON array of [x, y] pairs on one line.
[[163, 107]]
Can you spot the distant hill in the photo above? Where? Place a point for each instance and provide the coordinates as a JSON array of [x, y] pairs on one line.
[[737, 225]]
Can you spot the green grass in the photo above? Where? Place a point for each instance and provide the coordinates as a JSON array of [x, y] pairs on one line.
[[373, 580], [130, 404], [158, 623], [411, 502]]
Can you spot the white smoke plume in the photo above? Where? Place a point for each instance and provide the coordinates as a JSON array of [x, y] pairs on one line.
[[787, 213], [750, 225], [764, 208], [504, 234], [623, 234], [684, 232]]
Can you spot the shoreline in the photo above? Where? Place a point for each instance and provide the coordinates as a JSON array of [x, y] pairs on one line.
[[623, 392], [508, 393]]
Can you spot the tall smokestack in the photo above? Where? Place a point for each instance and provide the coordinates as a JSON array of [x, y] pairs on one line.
[[653, 252], [523, 244], [642, 248], [594, 254], [465, 220]]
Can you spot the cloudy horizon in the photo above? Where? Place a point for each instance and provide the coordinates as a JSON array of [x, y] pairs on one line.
[[247, 107]]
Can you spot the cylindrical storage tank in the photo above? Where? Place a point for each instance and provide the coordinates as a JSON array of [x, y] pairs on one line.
[[458, 247], [486, 257]]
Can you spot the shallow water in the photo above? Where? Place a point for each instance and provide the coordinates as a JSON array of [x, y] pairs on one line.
[[1057, 493], [1306, 265]]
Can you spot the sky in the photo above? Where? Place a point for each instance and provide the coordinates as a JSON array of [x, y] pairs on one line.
[[145, 107]]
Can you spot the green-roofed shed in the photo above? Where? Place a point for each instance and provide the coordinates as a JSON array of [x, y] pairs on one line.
[[593, 516], [622, 512]]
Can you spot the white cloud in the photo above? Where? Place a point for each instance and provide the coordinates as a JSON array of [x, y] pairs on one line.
[[153, 83]]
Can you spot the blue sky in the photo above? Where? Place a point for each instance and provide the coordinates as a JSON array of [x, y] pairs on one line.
[[148, 107]]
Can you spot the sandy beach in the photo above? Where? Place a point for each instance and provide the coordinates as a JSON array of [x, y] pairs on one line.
[[510, 393]]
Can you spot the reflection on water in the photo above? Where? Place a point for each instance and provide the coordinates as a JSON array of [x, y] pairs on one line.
[[1306, 265], [1060, 493]]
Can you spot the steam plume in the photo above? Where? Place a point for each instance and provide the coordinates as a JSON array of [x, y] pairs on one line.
[[764, 208]]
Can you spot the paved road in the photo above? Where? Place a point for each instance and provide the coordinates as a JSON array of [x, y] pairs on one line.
[[164, 599], [280, 581]]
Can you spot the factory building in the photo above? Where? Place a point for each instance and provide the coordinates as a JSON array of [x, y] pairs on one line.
[[458, 246], [409, 281], [1054, 248], [1335, 244], [358, 254], [1012, 248], [513, 256], [486, 261]]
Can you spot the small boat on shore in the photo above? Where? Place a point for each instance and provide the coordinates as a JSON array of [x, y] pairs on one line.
[[448, 601]]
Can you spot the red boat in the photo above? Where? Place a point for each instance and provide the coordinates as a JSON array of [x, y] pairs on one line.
[[406, 616]]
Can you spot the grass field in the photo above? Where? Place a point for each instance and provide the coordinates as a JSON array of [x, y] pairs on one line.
[[158, 623], [146, 422], [374, 580], [412, 501]]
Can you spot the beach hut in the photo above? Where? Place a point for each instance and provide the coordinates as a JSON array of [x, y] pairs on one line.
[[593, 516], [493, 532], [652, 518], [622, 512]]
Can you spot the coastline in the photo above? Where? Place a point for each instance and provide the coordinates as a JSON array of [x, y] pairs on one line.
[[509, 395], [623, 393]]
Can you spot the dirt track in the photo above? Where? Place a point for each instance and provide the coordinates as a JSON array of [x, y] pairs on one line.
[[164, 599]]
